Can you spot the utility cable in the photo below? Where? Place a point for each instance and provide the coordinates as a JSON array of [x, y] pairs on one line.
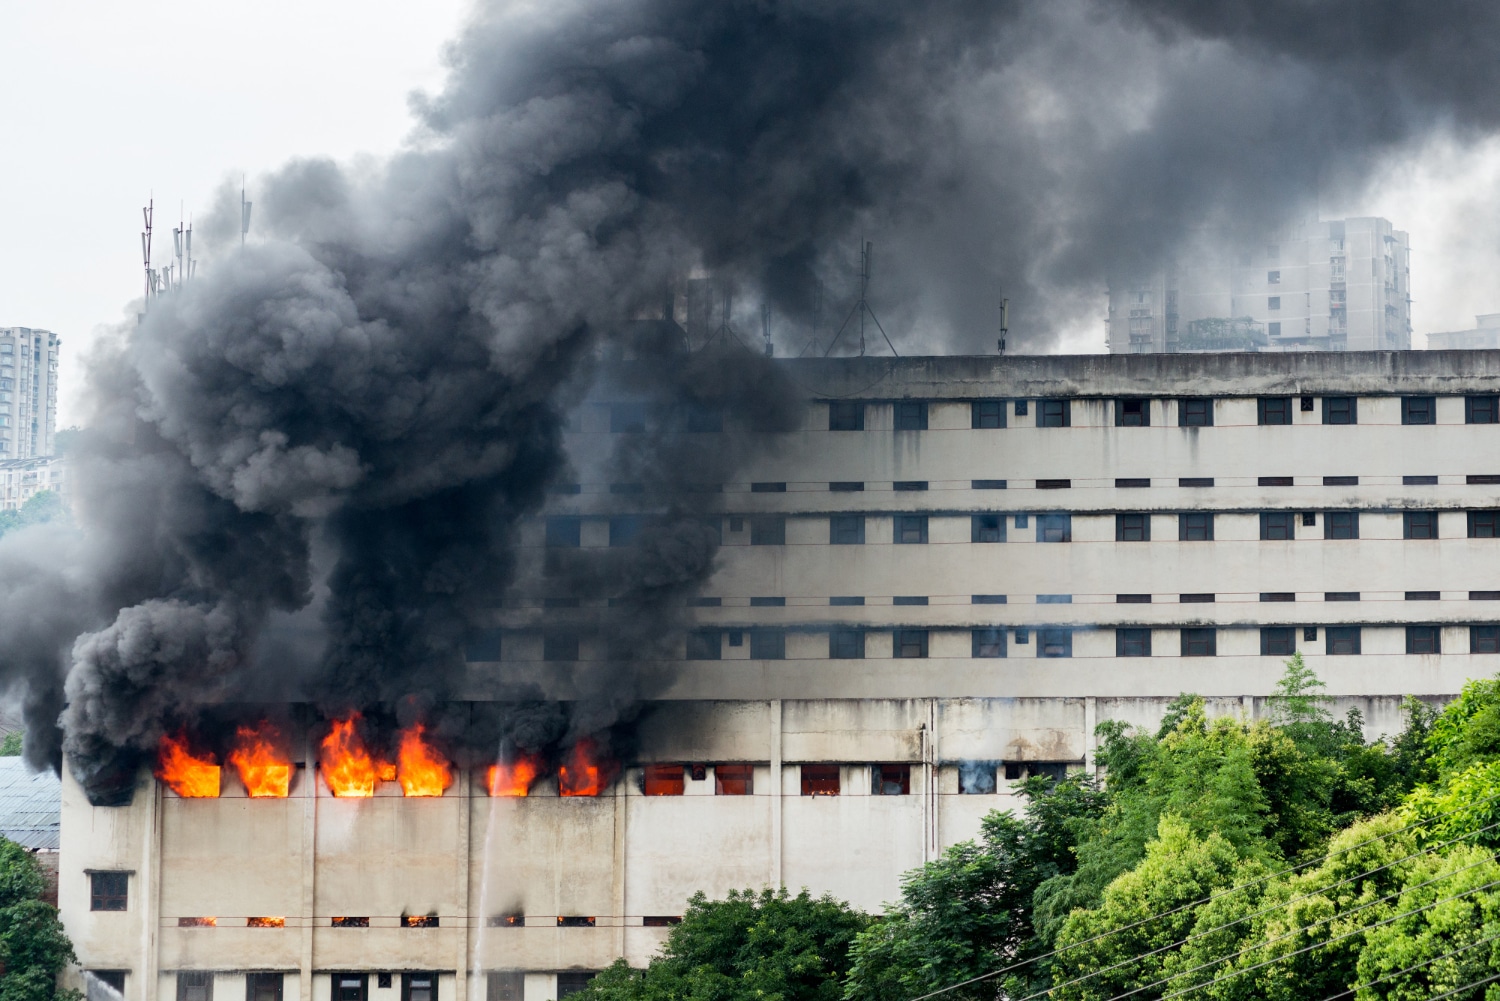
[[1415, 966], [1211, 897], [1465, 987]]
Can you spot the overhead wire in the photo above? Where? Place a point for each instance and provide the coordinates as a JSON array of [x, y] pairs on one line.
[[1415, 966]]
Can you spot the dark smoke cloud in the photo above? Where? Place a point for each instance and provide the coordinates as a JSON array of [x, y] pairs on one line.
[[306, 474]]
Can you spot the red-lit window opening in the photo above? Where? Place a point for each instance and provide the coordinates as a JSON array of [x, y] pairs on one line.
[[664, 780]]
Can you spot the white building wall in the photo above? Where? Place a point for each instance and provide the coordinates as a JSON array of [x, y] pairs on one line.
[[28, 391]]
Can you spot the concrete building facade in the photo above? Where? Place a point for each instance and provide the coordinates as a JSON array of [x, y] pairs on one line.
[[1333, 285], [1484, 336], [28, 391], [23, 479], [941, 583]]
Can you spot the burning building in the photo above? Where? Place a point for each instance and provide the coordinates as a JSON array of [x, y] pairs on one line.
[[936, 583]]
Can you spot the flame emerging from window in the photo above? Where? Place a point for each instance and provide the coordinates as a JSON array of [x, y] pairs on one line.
[[513, 778], [263, 768], [265, 922], [186, 775], [197, 922], [422, 768], [583, 773], [347, 765]]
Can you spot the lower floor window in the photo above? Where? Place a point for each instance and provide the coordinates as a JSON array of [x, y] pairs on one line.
[[1343, 639]]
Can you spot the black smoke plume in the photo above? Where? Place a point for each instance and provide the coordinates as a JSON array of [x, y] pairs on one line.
[[306, 474]]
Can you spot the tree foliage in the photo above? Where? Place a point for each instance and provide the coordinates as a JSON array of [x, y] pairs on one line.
[[33, 946], [43, 506]]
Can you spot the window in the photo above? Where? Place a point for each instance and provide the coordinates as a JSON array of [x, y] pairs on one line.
[[987, 413], [1273, 277], [989, 643], [195, 985], [1133, 599], [1053, 484], [1053, 527], [1341, 481], [976, 778], [1484, 524], [1343, 639], [1195, 526], [107, 985], [1422, 596], [1055, 414], [1419, 525], [1273, 302], [418, 987], [986, 484], [569, 984], [734, 780], [1341, 525], [624, 529], [1020, 408], [663, 780], [1130, 482], [768, 530], [1278, 641], [1053, 642], [564, 532], [846, 415], [1481, 409], [907, 486], [987, 599], [820, 780], [1195, 481], [1195, 413], [846, 644], [1419, 481], [846, 529], [768, 644], [1340, 595], [911, 415], [1200, 642], [560, 646], [1278, 526], [1418, 410], [627, 417], [1132, 528], [1274, 410], [1132, 413], [1340, 410], [846, 600], [1484, 639], [108, 891], [1132, 642], [910, 529], [1198, 598], [987, 528], [910, 643], [890, 780], [659, 921], [768, 488], [909, 599], [704, 644], [349, 922], [504, 985], [1423, 639], [846, 486], [700, 420]]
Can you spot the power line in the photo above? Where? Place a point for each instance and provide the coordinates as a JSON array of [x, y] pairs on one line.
[[1211, 897], [1465, 987], [1415, 966]]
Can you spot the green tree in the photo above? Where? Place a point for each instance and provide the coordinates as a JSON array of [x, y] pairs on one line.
[[33, 946], [43, 506], [765, 946], [968, 913], [10, 744]]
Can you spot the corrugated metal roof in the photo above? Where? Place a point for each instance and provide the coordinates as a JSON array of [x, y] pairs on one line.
[[30, 805]]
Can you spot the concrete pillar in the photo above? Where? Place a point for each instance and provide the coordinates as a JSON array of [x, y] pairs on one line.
[[618, 888], [462, 874], [1090, 741], [776, 793], [151, 897], [308, 790]]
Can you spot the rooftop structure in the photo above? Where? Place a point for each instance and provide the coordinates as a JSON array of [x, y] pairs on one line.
[[1484, 336], [939, 584]]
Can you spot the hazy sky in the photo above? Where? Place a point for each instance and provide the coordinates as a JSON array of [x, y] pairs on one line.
[[104, 104]]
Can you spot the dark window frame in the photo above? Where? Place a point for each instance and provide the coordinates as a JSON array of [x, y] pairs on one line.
[[1484, 638], [910, 644], [1278, 526], [1199, 641], [1133, 527], [846, 643], [987, 415], [767, 643], [987, 529], [1054, 638], [1278, 641], [1421, 525], [1424, 639], [108, 889], [1340, 410], [988, 643], [846, 415], [1133, 641], [1055, 413], [1418, 410], [1340, 525], [767, 530], [1190, 529], [846, 530], [190, 980], [1274, 411], [1195, 412], [1482, 408], [1133, 412], [1483, 524], [1057, 523], [1343, 641], [903, 525], [910, 415]]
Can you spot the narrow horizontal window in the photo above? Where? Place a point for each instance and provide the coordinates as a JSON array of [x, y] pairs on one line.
[[1484, 595], [846, 601], [1278, 596], [909, 599], [986, 484], [1419, 481], [565, 489], [348, 922], [846, 486], [1197, 598], [767, 602], [627, 488], [1341, 481], [1133, 599], [768, 488], [1053, 484], [575, 921], [1054, 599], [909, 485], [653, 921], [1340, 595], [1274, 481], [1422, 596], [1126, 482], [1195, 481], [706, 603], [1483, 479], [987, 599]]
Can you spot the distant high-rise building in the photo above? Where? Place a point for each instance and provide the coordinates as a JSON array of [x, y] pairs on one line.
[[28, 392], [1332, 285], [1486, 334]]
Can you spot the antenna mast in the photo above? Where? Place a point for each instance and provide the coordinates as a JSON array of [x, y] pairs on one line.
[[148, 211], [244, 213], [1004, 322], [863, 306]]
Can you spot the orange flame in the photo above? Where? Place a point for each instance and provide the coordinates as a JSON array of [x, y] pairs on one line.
[[346, 764], [583, 774], [265, 922], [262, 767], [422, 768], [184, 774], [513, 778]]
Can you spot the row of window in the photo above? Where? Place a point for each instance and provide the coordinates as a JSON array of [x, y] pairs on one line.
[[848, 643], [912, 529], [911, 415], [501, 985]]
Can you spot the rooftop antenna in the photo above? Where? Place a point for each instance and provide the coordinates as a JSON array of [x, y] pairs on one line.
[[1004, 321], [244, 213], [765, 329], [863, 307], [147, 211]]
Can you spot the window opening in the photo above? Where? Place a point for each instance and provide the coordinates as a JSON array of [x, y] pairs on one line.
[[767, 644], [734, 780], [767, 530], [910, 529], [1484, 639], [911, 415], [1481, 409], [820, 780], [1052, 527], [1195, 412], [1132, 642], [846, 415], [1053, 642], [663, 780], [1277, 526], [1423, 639], [911, 643], [890, 780], [1132, 413], [1341, 525], [1484, 524], [976, 778], [987, 414], [1274, 410], [846, 644], [989, 642], [108, 891], [1343, 639], [1419, 524], [846, 529], [1200, 642], [1055, 414], [987, 528], [1195, 526], [1278, 641], [1132, 528], [195, 985], [1418, 410]]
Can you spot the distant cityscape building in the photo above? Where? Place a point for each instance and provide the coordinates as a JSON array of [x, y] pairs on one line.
[[22, 479], [1486, 334], [28, 392], [1332, 285]]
